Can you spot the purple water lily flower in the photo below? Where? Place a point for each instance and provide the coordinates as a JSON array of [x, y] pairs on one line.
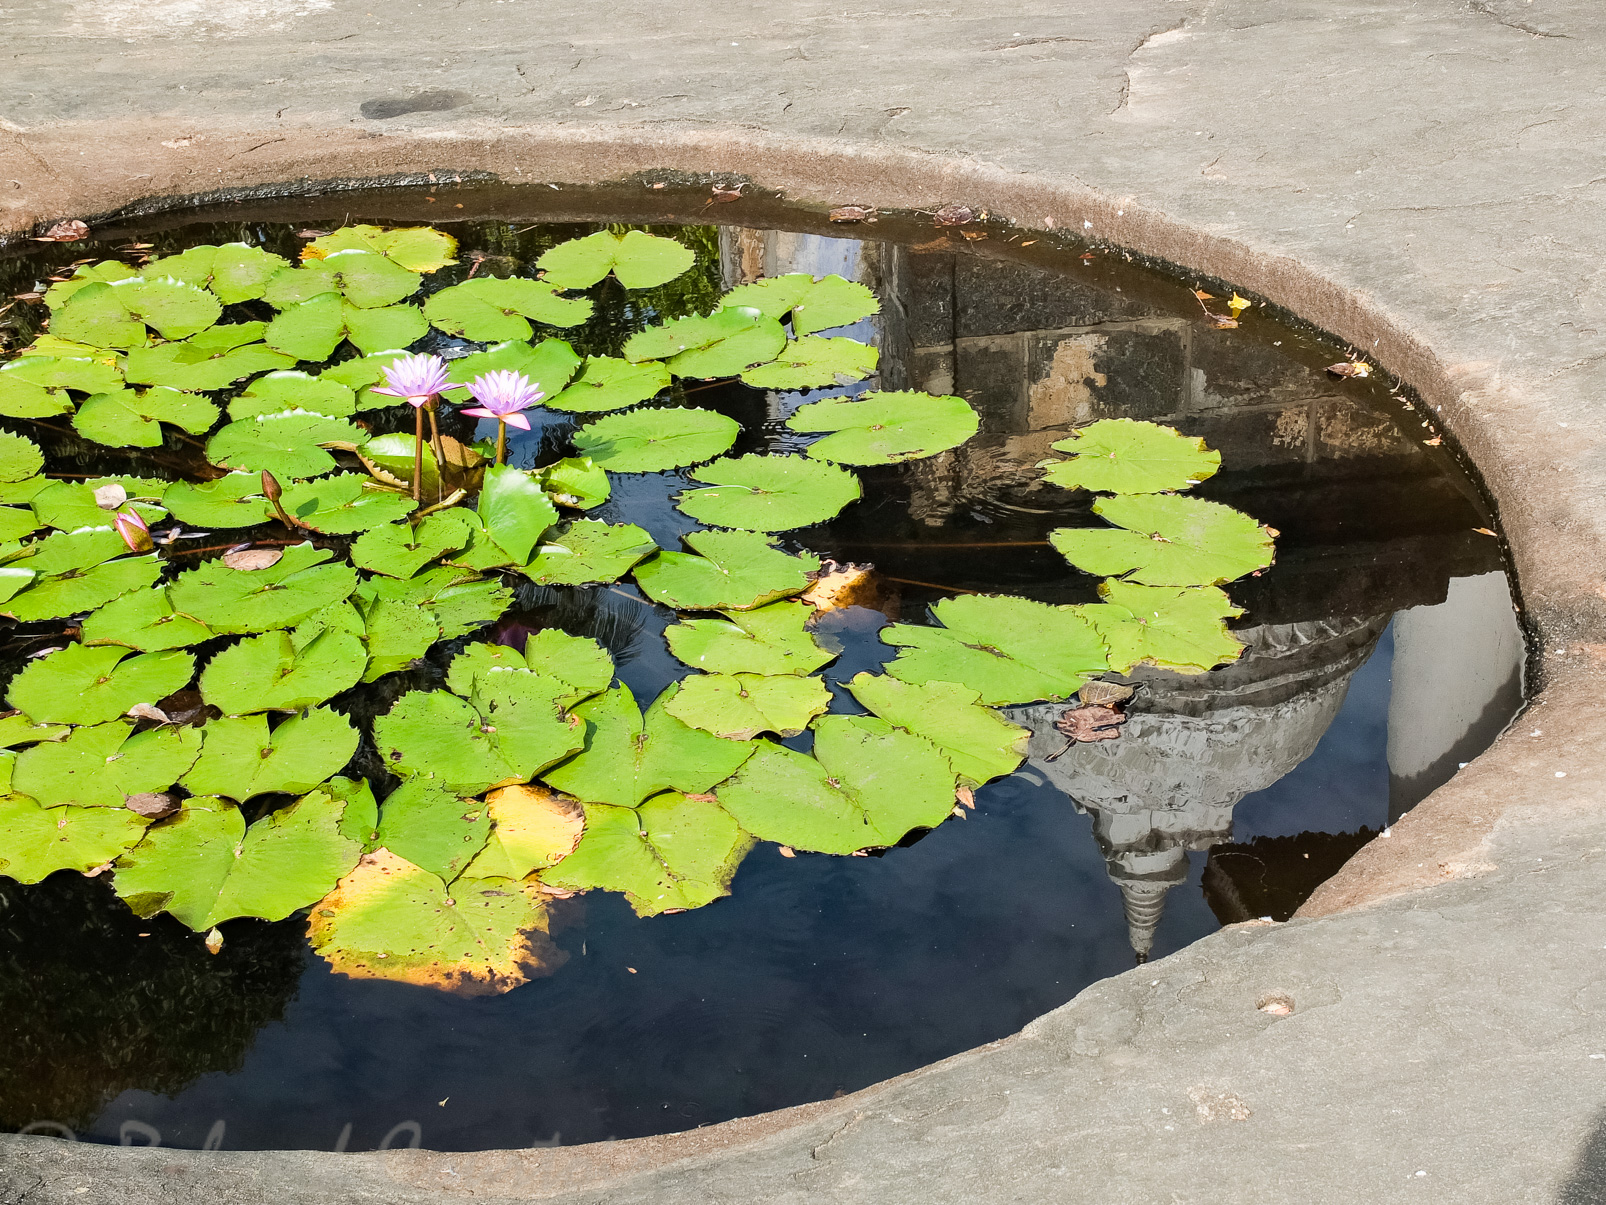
[[135, 531], [417, 380], [502, 396]]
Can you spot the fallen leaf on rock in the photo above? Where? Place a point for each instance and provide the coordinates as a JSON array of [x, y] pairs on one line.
[[973, 235], [954, 215], [1202, 295], [723, 194], [1350, 368], [249, 560], [64, 232], [852, 213]]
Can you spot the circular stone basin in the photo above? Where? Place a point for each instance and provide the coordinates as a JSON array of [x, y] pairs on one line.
[[1379, 652]]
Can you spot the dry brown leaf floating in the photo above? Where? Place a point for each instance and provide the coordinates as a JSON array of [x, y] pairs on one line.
[[1434, 442], [1350, 368], [64, 232], [248, 560]]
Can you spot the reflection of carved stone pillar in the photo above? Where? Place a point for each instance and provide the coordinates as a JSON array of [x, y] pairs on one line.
[[1194, 746]]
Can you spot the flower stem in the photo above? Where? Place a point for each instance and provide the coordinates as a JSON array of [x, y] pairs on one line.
[[438, 449], [501, 442], [418, 455]]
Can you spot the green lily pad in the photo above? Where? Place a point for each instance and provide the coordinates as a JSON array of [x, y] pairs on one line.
[[979, 743], [288, 445], [461, 601], [75, 591], [234, 271], [508, 733], [401, 550], [16, 522], [201, 367], [490, 310], [204, 866], [280, 391], [90, 685], [129, 419], [83, 373], [116, 314], [363, 373], [20, 398], [1009, 650], [390, 458], [868, 784], [769, 493], [1167, 540], [515, 509], [576, 481], [389, 919], [669, 854], [1178, 629], [885, 428], [276, 671], [548, 364], [397, 636], [23, 492], [628, 758], [586, 551], [241, 759], [69, 552], [258, 600], [366, 279], [314, 328], [433, 828], [416, 248], [737, 571], [18, 729], [37, 841], [532, 828], [767, 640], [815, 305], [71, 505], [740, 706], [1124, 456], [345, 503], [570, 668], [637, 259], [726, 343], [20, 458], [234, 500], [609, 384], [102, 765], [145, 620], [655, 439], [812, 362], [106, 271]]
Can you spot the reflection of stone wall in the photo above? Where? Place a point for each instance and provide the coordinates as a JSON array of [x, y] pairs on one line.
[[1195, 745]]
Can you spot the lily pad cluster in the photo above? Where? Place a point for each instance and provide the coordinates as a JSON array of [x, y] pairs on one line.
[[199, 729]]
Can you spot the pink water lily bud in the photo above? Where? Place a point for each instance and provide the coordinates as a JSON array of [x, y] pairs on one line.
[[417, 380], [134, 530]]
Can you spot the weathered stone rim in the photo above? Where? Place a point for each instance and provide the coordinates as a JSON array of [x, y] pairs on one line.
[[1446, 834]]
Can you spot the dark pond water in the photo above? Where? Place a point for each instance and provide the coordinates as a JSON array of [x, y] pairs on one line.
[[1382, 653]]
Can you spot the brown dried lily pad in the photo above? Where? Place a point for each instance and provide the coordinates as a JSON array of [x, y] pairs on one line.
[[1091, 723], [248, 560]]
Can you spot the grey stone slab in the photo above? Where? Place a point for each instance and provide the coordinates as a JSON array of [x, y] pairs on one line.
[[1117, 373]]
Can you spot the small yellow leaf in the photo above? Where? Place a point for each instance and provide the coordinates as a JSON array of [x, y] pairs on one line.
[[1238, 303]]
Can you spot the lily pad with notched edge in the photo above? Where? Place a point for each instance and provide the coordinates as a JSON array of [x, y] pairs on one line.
[[288, 445], [396, 635], [576, 481], [235, 271], [362, 374], [204, 866], [1009, 650], [416, 248], [290, 390], [740, 706], [131, 419], [766, 640], [737, 571], [638, 260], [116, 314], [16, 522], [885, 428], [78, 590], [435, 829], [106, 271], [655, 439], [769, 493], [812, 362], [283, 671], [83, 373], [1167, 540], [1124, 456], [102, 765], [81, 684], [629, 758], [515, 509], [345, 503], [401, 550], [815, 305], [489, 309], [585, 551], [143, 619], [978, 742], [314, 328], [234, 500], [669, 854], [548, 365], [1179, 629], [609, 384], [508, 733], [461, 601], [868, 784], [24, 399], [532, 828], [202, 365], [724, 344], [364, 278], [20, 457], [389, 919], [74, 505], [37, 841], [18, 729], [236, 600], [242, 759], [571, 668]]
